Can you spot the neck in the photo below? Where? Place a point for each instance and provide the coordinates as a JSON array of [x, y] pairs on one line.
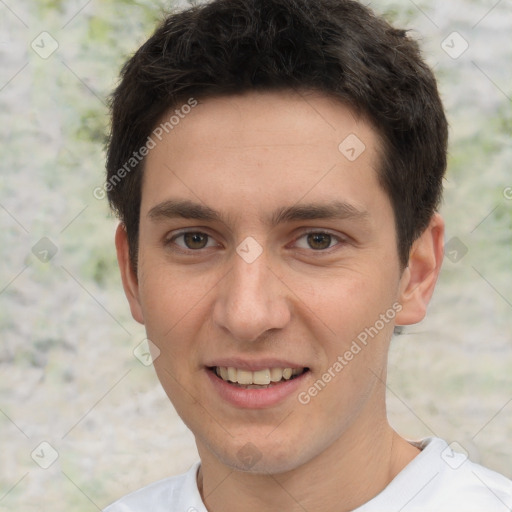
[[349, 473]]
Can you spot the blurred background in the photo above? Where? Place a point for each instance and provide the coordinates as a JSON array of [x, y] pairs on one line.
[[82, 419]]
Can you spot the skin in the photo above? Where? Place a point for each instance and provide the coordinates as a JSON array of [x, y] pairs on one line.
[[246, 157]]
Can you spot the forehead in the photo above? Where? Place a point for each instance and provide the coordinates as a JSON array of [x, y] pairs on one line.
[[261, 149], [286, 114]]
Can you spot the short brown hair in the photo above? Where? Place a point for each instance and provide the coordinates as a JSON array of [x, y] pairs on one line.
[[337, 47]]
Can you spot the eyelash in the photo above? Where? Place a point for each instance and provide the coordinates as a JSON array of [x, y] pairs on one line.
[[339, 239]]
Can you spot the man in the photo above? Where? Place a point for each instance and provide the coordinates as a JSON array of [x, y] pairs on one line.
[[277, 167]]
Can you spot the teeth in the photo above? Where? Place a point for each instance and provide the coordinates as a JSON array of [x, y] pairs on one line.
[[261, 377], [257, 378], [244, 377], [231, 374], [287, 373], [276, 374]]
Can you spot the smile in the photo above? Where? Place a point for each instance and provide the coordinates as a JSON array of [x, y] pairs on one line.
[[260, 379], [257, 388]]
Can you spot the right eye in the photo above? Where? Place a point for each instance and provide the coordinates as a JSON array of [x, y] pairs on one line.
[[192, 240]]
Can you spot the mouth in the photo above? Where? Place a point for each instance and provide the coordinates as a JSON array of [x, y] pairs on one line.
[[260, 379]]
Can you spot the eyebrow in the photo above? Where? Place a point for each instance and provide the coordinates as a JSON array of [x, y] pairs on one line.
[[186, 209], [338, 210]]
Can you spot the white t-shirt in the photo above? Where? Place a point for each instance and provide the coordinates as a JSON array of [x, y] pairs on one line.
[[436, 480]]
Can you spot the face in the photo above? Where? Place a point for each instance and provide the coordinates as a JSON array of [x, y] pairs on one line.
[[268, 277]]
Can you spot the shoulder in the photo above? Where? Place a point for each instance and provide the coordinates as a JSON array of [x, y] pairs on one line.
[[457, 483], [177, 493], [479, 488], [444, 480]]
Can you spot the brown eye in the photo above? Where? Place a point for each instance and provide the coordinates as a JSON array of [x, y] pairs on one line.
[[195, 240], [319, 241]]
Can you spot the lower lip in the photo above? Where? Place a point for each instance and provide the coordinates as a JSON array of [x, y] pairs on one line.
[[255, 398]]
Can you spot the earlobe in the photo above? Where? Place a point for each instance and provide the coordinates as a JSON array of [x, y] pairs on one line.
[[419, 278], [128, 275]]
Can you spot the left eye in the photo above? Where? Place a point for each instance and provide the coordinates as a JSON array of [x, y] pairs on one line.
[[193, 240], [317, 241]]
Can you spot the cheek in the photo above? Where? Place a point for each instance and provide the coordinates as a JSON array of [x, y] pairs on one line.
[[347, 302], [172, 307], [177, 310], [166, 294], [167, 304], [354, 341]]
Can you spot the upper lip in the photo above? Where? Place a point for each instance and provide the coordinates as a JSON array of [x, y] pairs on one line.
[[254, 364]]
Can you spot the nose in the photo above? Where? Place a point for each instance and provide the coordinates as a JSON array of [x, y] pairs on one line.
[[251, 300]]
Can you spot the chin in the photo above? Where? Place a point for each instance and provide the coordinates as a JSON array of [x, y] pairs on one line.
[[264, 458]]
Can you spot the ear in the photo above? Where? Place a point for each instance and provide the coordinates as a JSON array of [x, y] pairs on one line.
[[419, 278], [128, 275]]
